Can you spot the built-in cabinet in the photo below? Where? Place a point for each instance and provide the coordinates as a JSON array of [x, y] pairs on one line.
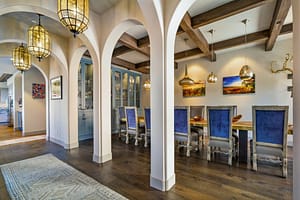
[[85, 100], [126, 91]]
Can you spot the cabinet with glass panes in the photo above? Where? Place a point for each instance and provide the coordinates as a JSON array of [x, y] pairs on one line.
[[126, 91]]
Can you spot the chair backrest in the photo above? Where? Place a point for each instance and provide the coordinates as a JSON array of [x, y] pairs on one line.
[[219, 121], [121, 113], [147, 118], [270, 125], [197, 111], [182, 119], [131, 117]]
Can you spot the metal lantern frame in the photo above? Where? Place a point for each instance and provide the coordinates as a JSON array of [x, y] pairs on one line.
[[74, 14], [38, 41], [21, 58]]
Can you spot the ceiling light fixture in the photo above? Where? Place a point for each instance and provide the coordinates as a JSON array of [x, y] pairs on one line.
[[212, 78], [74, 14], [147, 84], [38, 41], [186, 81], [245, 72], [21, 58]]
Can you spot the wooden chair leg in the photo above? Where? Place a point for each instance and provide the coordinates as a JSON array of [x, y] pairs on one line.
[[284, 167], [208, 153], [254, 160], [127, 138], [146, 141], [136, 140], [230, 156]]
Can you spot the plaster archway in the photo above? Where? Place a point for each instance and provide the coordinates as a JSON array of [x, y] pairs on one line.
[[105, 85]]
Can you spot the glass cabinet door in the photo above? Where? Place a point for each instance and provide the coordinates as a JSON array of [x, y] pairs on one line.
[[131, 91], [117, 89], [125, 89], [137, 91]]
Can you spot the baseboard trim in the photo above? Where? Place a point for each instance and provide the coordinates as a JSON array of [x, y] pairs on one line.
[[66, 146], [162, 185], [34, 133], [102, 159]]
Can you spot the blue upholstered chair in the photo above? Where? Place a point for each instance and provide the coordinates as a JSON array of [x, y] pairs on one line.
[[122, 122], [182, 126], [197, 113], [219, 129], [147, 119], [132, 127], [270, 126]]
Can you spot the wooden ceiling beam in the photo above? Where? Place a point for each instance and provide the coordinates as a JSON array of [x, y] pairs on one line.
[[224, 11], [121, 50], [280, 13], [128, 65], [195, 34], [143, 64], [253, 37], [132, 43]]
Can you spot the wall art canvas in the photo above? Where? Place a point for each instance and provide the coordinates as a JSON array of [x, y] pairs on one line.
[[196, 90], [234, 85], [56, 87], [38, 91]]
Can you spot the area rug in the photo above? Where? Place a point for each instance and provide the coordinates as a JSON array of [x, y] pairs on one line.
[[46, 177]]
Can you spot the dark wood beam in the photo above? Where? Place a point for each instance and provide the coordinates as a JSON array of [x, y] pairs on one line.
[[143, 42], [128, 65], [121, 50], [195, 34], [131, 42], [143, 64], [224, 11], [253, 37], [280, 13]]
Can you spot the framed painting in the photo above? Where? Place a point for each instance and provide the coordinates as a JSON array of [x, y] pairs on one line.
[[196, 90], [56, 87], [38, 91], [234, 85]]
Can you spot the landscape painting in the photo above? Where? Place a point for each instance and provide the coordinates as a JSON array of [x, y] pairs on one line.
[[195, 90], [234, 85]]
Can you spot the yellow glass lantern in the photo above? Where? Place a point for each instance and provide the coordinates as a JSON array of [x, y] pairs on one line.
[[21, 58], [74, 14], [38, 41]]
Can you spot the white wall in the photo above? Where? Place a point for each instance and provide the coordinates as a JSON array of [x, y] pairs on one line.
[[17, 94], [270, 89], [58, 108], [34, 109]]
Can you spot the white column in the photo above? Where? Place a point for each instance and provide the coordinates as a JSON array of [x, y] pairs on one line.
[[296, 98]]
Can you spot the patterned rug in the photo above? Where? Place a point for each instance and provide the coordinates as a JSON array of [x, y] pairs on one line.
[[46, 177]]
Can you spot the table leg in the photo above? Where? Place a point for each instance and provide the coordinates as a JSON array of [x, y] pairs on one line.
[[243, 145]]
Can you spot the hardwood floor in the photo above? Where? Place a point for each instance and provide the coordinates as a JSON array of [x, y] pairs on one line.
[[7, 133], [129, 173]]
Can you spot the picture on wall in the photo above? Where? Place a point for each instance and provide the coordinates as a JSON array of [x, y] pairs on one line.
[[196, 90], [234, 85], [38, 91], [56, 87]]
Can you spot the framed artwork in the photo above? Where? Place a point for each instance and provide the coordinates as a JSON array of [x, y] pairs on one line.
[[38, 91], [234, 85], [56, 87], [196, 90]]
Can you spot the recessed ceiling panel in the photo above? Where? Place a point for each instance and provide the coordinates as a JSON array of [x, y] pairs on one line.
[[134, 57], [137, 32]]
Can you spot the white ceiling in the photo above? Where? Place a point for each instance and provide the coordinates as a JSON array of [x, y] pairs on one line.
[[259, 19]]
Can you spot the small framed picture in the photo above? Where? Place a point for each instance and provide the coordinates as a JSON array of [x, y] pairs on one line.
[[56, 87]]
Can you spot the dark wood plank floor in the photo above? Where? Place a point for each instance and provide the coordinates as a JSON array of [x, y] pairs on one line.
[[129, 173]]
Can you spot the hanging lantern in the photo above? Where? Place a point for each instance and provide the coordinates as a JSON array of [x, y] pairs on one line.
[[186, 79], [147, 84], [38, 41], [212, 78], [74, 14], [21, 58], [245, 72]]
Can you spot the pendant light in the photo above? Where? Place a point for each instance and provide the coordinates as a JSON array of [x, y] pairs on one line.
[[212, 78], [38, 41], [245, 72], [21, 58], [186, 81], [74, 14], [147, 84]]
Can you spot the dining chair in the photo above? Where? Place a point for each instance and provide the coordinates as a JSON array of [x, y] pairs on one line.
[[270, 127], [219, 129], [132, 127], [197, 113], [122, 121], [147, 119]]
